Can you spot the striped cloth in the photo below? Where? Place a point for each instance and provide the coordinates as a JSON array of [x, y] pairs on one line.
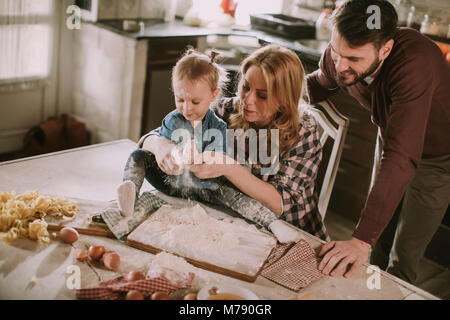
[[117, 288], [294, 266], [121, 226]]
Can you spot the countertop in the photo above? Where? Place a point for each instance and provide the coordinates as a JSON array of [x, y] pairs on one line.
[[155, 28], [93, 173]]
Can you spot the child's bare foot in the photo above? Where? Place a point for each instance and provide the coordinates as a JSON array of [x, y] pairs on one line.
[[126, 196]]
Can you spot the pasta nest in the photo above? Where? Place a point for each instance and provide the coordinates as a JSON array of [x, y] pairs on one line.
[[23, 215]]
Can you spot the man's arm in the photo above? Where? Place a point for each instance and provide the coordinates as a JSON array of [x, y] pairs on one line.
[[404, 138], [321, 84], [411, 92]]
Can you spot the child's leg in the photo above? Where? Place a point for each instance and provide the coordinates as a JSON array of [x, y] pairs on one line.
[[254, 211], [244, 205], [133, 177]]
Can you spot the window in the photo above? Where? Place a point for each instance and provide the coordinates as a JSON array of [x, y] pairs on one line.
[[26, 35]]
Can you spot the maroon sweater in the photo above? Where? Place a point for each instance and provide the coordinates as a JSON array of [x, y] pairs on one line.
[[410, 102]]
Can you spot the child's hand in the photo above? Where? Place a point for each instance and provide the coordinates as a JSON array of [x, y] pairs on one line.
[[168, 160]]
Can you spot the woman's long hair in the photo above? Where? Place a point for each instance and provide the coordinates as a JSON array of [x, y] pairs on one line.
[[284, 76]]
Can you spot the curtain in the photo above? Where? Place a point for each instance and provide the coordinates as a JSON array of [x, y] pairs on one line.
[[26, 35]]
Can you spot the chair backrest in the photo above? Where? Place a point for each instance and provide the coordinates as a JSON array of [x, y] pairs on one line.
[[332, 124]]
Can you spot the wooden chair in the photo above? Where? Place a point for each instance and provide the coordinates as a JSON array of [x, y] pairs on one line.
[[332, 124]]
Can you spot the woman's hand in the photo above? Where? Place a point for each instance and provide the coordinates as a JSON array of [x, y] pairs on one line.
[[214, 164]]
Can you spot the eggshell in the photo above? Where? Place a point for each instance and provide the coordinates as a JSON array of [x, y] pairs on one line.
[[134, 276], [96, 252], [69, 235], [80, 254], [134, 295], [159, 295], [111, 260], [190, 296]]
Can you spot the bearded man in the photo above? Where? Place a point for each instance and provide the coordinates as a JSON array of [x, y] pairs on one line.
[[401, 77]]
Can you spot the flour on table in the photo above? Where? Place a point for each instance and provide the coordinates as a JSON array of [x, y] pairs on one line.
[[192, 233], [173, 268]]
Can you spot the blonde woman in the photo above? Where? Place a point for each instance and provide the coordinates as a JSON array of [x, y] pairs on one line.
[[270, 89]]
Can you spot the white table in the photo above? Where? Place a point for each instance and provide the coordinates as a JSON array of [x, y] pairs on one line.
[[29, 270]]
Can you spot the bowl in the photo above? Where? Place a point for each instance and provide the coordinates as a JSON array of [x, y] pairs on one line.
[[225, 292]]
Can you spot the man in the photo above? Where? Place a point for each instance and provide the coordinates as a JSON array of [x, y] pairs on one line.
[[401, 77]]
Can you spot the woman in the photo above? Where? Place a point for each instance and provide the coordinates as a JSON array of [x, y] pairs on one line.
[[270, 89]]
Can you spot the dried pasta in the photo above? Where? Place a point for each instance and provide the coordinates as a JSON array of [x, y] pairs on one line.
[[23, 215]]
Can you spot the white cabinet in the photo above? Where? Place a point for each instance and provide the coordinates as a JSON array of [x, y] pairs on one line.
[[108, 76]]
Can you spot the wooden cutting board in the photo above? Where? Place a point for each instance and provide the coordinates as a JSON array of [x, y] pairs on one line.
[[83, 220], [231, 247]]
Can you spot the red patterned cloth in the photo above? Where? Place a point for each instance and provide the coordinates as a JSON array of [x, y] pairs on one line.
[[293, 266], [116, 288]]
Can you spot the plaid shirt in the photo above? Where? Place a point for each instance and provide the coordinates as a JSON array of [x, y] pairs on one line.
[[296, 175]]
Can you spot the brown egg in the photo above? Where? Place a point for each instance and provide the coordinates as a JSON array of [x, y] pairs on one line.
[[134, 295], [159, 295], [96, 252], [190, 296], [134, 276], [111, 260], [80, 254], [68, 235]]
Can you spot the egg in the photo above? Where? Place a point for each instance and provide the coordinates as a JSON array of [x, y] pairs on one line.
[[80, 254], [134, 276], [190, 296], [68, 235], [159, 295], [111, 260], [96, 252], [134, 295]]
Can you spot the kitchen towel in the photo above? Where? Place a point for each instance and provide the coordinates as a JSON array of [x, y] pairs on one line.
[[294, 266], [117, 288], [120, 225]]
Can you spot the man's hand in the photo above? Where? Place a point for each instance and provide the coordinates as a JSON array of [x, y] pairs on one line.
[[337, 255]]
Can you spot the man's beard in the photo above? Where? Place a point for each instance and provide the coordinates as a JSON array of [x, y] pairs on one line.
[[374, 66]]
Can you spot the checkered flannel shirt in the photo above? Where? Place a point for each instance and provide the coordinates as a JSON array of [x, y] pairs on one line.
[[296, 175]]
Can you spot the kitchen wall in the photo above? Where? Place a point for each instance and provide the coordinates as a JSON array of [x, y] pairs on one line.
[[22, 107], [108, 76]]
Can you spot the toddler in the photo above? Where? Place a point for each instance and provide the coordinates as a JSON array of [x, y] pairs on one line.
[[193, 126]]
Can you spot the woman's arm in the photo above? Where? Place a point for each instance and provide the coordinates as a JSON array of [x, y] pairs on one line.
[[254, 187], [244, 180]]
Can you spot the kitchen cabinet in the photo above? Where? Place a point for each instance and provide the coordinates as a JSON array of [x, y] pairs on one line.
[[162, 56]]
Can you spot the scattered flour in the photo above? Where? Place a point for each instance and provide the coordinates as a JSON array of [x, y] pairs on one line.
[[192, 233]]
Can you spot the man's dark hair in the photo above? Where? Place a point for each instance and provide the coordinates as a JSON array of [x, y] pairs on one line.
[[351, 22]]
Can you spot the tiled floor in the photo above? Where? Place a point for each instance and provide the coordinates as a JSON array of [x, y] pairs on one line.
[[433, 278]]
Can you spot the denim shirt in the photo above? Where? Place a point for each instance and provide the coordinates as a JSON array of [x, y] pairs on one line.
[[212, 135]]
